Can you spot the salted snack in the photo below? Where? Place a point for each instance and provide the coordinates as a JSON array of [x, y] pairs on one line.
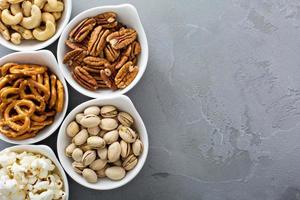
[[103, 53], [29, 19], [29, 175], [103, 143], [30, 97]]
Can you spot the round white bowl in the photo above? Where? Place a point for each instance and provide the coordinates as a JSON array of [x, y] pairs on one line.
[[47, 152], [46, 58], [128, 15], [121, 102], [31, 45]]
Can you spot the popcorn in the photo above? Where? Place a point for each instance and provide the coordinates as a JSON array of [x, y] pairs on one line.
[[29, 176]]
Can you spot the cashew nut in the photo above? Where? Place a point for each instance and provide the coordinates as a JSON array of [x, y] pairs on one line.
[[14, 1], [10, 19], [16, 38], [26, 34], [34, 20], [59, 7], [15, 8], [26, 7], [40, 3], [4, 31], [52, 3], [4, 4], [57, 15], [45, 34], [48, 17]]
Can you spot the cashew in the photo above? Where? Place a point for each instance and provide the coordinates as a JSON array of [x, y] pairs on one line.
[[16, 38], [4, 4], [4, 31], [14, 1], [48, 17], [26, 7], [58, 8], [10, 19], [45, 34], [15, 8], [34, 20], [57, 15], [40, 3], [26, 34], [52, 3]]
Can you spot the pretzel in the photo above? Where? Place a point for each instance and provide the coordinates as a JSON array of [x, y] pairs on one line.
[[60, 96], [8, 92], [53, 91], [46, 81], [40, 87], [5, 68], [6, 79], [27, 70], [42, 117]]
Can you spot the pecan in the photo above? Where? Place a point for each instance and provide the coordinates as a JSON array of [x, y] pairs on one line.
[[84, 78], [97, 41], [124, 58], [111, 53], [126, 75], [122, 38], [93, 69], [108, 79], [107, 20], [81, 31], [135, 49], [95, 61], [74, 57], [75, 45]]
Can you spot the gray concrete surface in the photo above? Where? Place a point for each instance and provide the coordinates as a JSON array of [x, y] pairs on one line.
[[220, 99]]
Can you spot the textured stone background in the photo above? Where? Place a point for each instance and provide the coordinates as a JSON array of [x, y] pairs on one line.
[[220, 99]]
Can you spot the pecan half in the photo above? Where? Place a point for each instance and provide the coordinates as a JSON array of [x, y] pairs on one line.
[[82, 30], [97, 41], [107, 19], [108, 79], [93, 69], [122, 38], [84, 78], [124, 58], [111, 53], [75, 45], [74, 57], [95, 61], [135, 49], [126, 75]]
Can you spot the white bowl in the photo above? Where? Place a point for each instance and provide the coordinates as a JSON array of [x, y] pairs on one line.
[[47, 152], [46, 58], [31, 45], [121, 102], [128, 15]]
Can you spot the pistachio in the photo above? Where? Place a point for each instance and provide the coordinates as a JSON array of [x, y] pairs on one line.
[[109, 111], [90, 121], [98, 164], [125, 119], [69, 149], [94, 130], [111, 137], [137, 147], [95, 110], [115, 173], [108, 124], [101, 173], [125, 149], [77, 154], [117, 163], [114, 152], [79, 117], [89, 175], [78, 167], [129, 163], [72, 129], [96, 142], [81, 137], [102, 153], [85, 147], [127, 134], [88, 157]]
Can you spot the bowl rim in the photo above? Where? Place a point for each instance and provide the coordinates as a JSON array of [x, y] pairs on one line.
[[77, 19], [42, 44], [56, 123], [63, 158], [47, 152]]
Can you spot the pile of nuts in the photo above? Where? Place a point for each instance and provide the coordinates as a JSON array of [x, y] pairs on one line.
[[103, 53], [29, 19], [104, 143]]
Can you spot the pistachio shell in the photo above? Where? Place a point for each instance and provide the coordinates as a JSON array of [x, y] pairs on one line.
[[88, 157], [94, 130], [129, 163], [69, 149], [98, 164], [114, 152], [96, 142], [78, 167], [111, 137], [77, 154], [108, 124], [72, 129], [127, 134], [115, 173], [89, 175], [125, 119], [102, 153], [81, 137], [109, 111], [95, 110], [137, 147], [125, 149], [79, 117], [90, 121]]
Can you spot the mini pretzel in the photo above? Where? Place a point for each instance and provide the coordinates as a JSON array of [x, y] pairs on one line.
[[60, 96], [43, 116], [5, 68], [40, 87], [8, 92], [46, 81], [53, 91], [25, 103], [6, 79], [27, 70]]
